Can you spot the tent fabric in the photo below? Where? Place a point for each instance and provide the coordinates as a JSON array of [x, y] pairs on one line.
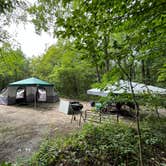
[[20, 93], [4, 97], [30, 81], [29, 91], [98, 92], [42, 95], [124, 87]]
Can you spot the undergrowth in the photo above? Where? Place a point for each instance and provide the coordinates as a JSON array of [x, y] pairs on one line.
[[105, 144]]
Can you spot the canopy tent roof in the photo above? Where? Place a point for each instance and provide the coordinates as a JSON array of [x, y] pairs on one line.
[[124, 87], [31, 81], [98, 92]]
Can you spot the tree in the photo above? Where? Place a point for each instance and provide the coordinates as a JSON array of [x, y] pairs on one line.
[[124, 33], [162, 74], [10, 11], [62, 64], [13, 64]]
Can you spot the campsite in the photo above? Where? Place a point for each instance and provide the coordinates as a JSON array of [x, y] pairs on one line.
[[82, 83]]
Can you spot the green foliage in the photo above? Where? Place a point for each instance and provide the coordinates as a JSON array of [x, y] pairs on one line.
[[8, 13], [62, 65], [13, 64], [151, 101], [162, 75], [130, 33], [106, 144], [153, 139], [5, 164], [95, 145], [8, 5]]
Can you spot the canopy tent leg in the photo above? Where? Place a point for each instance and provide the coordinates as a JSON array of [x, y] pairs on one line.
[[35, 100]]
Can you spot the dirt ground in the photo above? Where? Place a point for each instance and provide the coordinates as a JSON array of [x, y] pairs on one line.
[[22, 128]]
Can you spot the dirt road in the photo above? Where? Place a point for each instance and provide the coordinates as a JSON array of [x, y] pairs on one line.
[[23, 128]]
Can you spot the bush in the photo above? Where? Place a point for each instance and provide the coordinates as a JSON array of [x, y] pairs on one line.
[[105, 144], [92, 146], [154, 140], [5, 164]]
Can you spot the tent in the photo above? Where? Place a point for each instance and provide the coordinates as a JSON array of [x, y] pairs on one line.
[[28, 91], [124, 87]]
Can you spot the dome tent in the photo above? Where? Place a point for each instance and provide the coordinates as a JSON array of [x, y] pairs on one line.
[[28, 91]]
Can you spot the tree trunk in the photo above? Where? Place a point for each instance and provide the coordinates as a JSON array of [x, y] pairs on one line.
[[76, 86], [137, 111], [157, 112], [148, 78], [134, 73], [143, 72], [138, 125], [107, 61], [98, 73]]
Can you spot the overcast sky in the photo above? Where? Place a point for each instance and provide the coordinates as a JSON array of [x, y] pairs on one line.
[[31, 43]]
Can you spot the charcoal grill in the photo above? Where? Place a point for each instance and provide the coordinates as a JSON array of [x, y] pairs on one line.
[[76, 108]]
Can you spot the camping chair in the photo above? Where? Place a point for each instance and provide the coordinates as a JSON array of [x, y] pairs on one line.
[[95, 112], [100, 111]]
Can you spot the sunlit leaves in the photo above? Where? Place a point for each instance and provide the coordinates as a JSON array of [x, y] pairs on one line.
[[162, 74], [128, 32], [63, 65], [13, 65]]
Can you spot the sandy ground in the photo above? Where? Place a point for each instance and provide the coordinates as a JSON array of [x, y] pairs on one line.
[[23, 128]]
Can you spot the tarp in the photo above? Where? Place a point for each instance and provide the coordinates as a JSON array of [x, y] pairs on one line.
[[64, 106], [124, 87], [31, 81], [4, 97], [98, 92], [3, 100]]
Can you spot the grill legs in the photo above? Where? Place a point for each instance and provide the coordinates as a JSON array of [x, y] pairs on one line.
[[80, 117]]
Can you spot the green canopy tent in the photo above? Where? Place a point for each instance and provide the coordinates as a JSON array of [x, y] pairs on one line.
[[31, 81], [29, 90]]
